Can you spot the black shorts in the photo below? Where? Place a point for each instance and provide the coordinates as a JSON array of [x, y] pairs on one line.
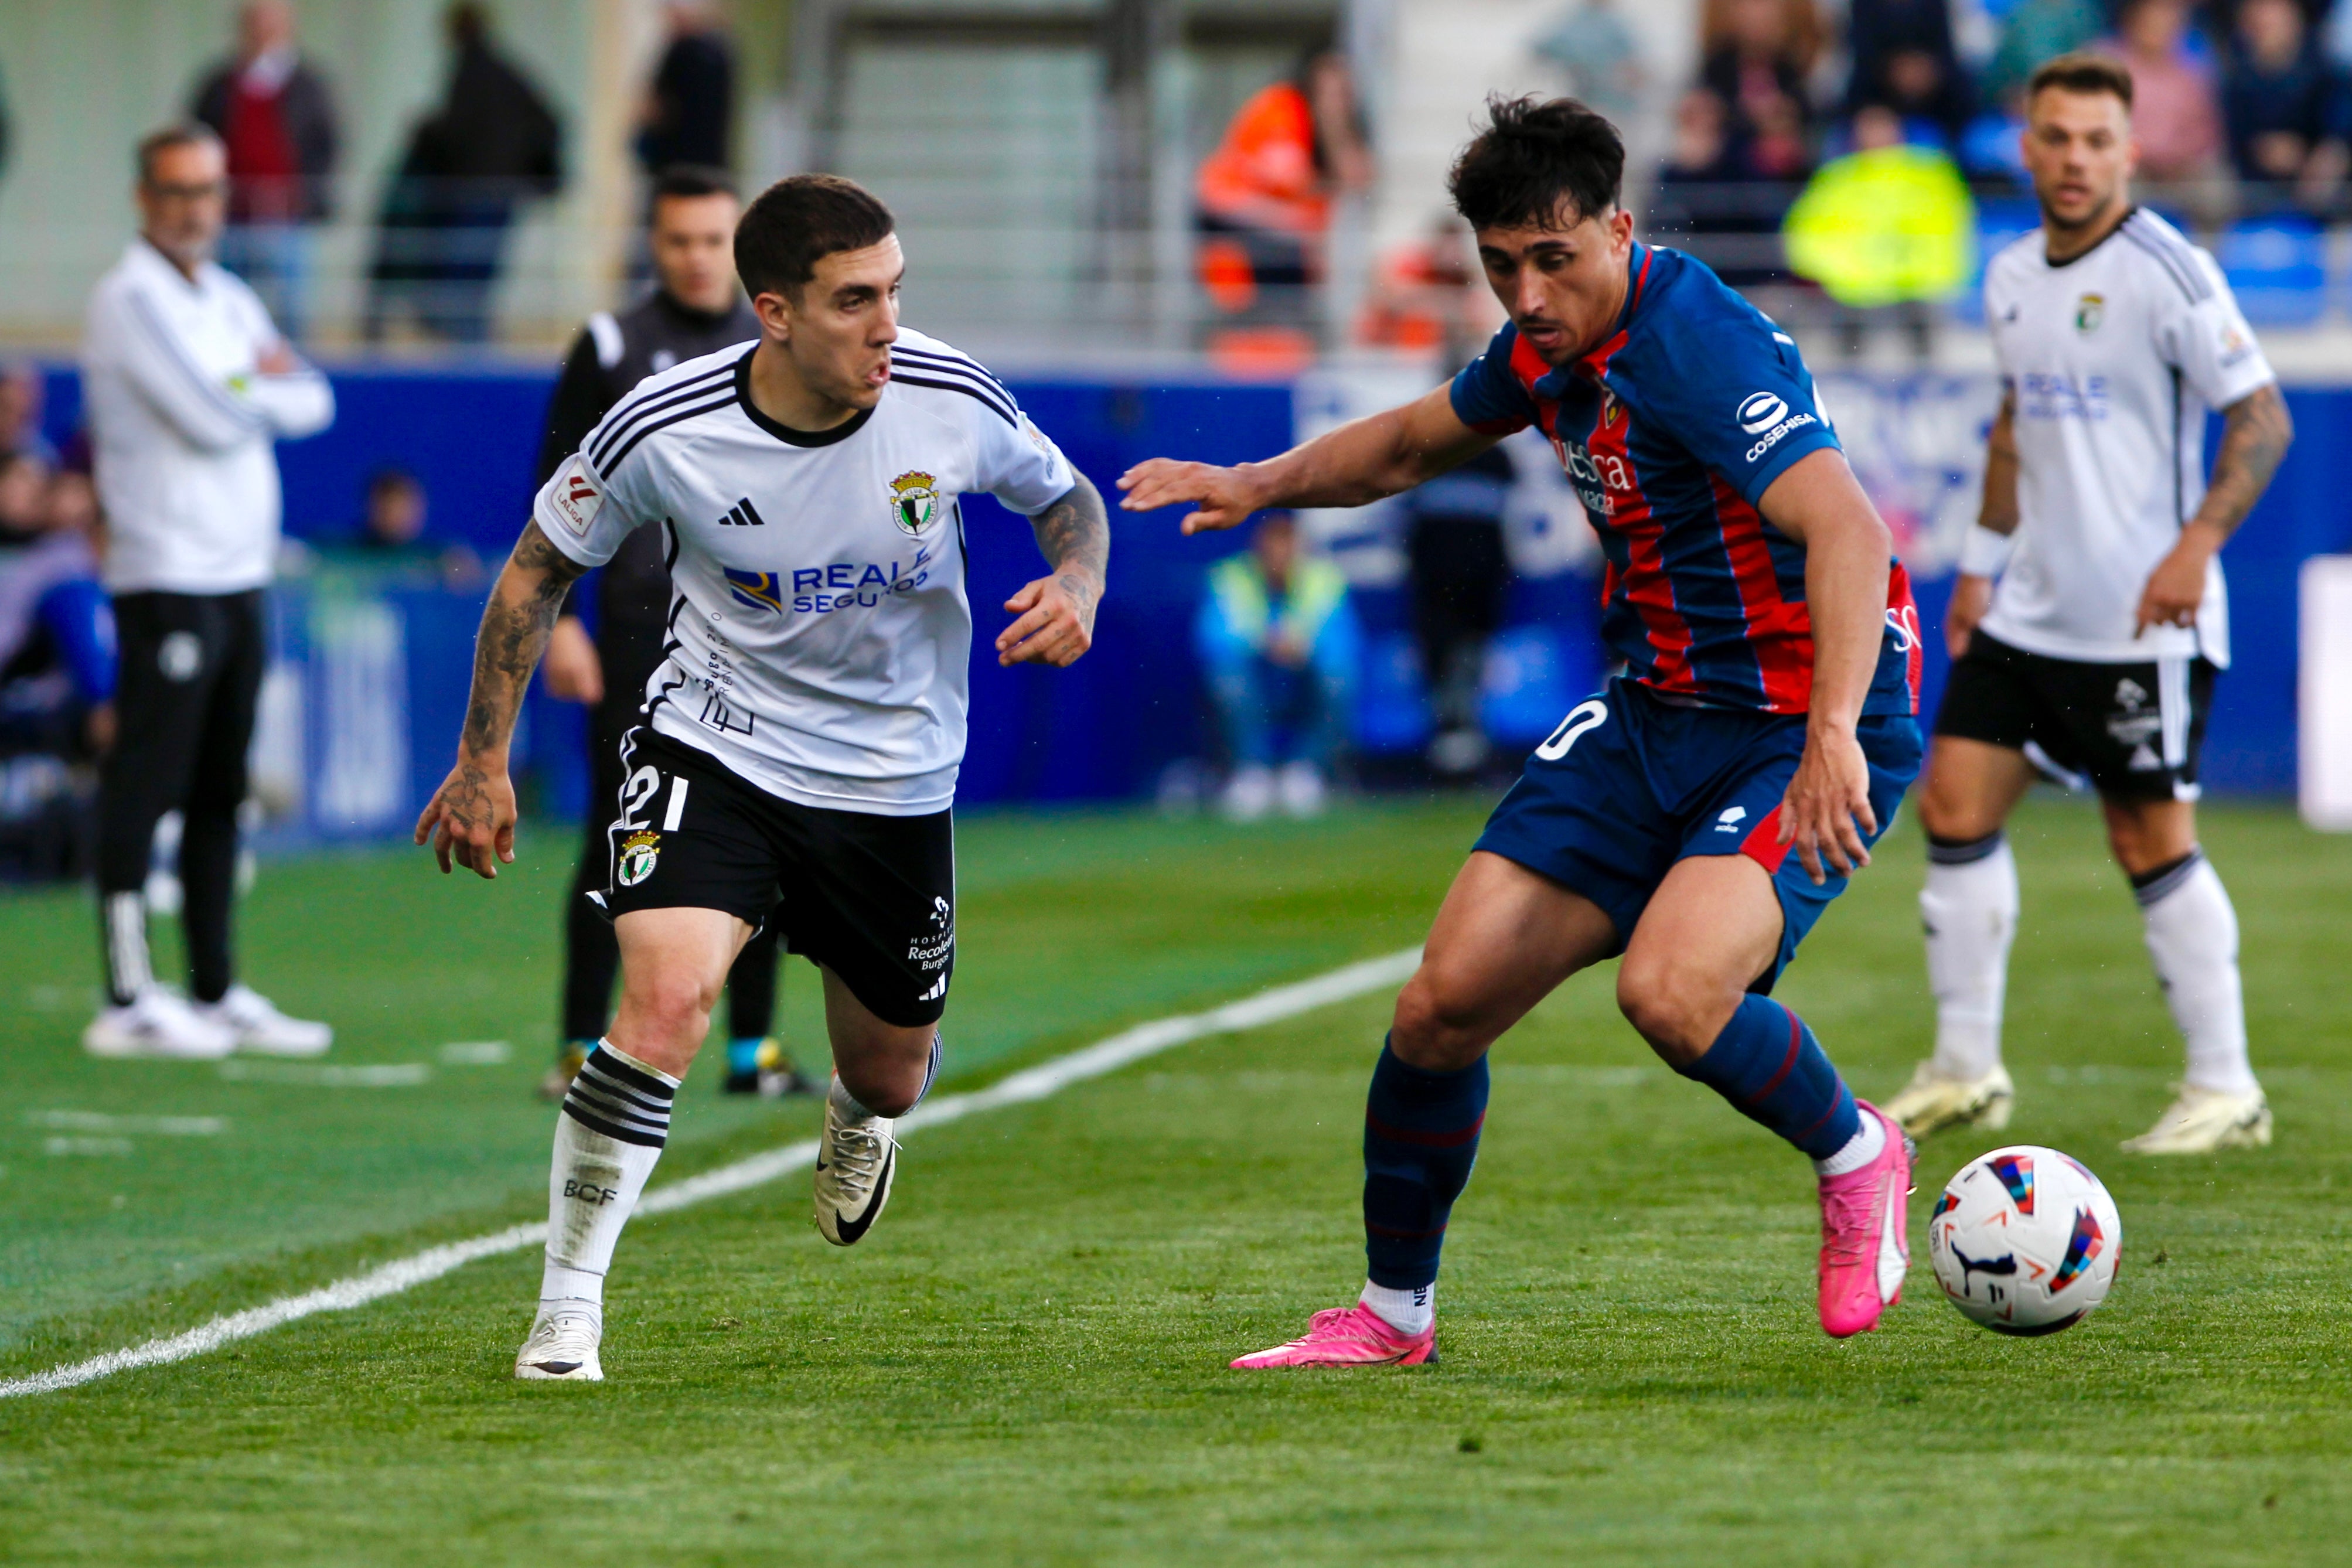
[[870, 898], [2130, 730]]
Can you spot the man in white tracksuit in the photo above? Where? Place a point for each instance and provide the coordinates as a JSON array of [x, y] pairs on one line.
[[187, 385]]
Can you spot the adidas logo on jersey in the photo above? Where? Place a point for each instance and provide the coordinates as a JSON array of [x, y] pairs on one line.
[[743, 514]]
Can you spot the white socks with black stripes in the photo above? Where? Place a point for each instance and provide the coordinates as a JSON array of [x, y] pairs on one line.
[[2192, 936], [1969, 907], [615, 1121]]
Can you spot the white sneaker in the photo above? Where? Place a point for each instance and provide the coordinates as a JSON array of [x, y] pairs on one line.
[[853, 1167], [1931, 1102], [562, 1344], [2203, 1119], [157, 1023], [1302, 789], [1249, 794], [256, 1024]]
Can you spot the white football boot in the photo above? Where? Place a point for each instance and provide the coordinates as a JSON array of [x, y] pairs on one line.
[[1249, 794], [1931, 1102], [853, 1167], [157, 1023], [2203, 1119], [1301, 785], [562, 1344], [257, 1026]]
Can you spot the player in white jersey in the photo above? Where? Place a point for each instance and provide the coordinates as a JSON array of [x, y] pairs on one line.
[[2092, 658], [803, 733]]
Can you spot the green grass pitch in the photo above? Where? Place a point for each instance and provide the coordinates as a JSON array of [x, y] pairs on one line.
[[1026, 1362]]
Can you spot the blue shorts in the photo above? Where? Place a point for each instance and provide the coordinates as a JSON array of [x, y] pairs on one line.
[[1629, 785]]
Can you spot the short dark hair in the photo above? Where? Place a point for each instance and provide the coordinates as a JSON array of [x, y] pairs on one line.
[[184, 133], [1538, 161], [2082, 71], [796, 221], [687, 182]]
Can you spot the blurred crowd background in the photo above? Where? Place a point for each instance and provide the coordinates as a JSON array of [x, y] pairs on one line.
[[1255, 183], [1200, 227]]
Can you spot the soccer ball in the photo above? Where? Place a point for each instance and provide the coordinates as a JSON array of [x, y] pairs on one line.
[[2025, 1240]]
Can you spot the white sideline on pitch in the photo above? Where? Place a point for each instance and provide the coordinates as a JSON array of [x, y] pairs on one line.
[[1040, 1082]]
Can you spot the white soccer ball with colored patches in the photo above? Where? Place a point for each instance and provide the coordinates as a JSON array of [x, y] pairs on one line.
[[2025, 1240]]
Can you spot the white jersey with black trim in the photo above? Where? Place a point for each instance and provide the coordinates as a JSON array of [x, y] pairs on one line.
[[2112, 359], [820, 640]]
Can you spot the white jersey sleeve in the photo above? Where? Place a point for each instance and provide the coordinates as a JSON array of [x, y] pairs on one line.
[[1017, 463], [582, 514], [2206, 339]]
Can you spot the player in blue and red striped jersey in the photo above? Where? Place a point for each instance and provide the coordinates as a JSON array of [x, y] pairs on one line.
[[1699, 813]]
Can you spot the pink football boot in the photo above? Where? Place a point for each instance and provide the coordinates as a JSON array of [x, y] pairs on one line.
[[1865, 1235], [1349, 1336]]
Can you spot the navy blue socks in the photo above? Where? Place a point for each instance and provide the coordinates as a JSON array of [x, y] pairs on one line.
[[1421, 1138], [1767, 1064]]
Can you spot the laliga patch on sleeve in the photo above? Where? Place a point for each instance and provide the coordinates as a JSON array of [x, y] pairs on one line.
[[577, 499], [1037, 436]]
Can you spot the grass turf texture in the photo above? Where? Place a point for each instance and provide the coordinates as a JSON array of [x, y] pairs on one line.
[[1026, 1362]]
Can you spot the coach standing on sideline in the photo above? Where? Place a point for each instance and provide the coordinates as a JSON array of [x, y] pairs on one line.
[[695, 308], [187, 384]]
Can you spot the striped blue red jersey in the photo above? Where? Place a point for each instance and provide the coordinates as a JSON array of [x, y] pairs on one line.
[[1671, 431]]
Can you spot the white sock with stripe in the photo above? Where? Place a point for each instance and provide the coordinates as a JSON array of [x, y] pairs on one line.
[[1968, 907], [1407, 1312], [128, 971], [609, 1137], [2192, 936]]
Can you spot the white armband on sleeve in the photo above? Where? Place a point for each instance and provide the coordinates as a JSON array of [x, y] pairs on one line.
[[1984, 553]]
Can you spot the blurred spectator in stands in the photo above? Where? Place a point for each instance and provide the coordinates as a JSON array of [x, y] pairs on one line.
[[688, 115], [492, 145], [1278, 644], [1262, 207], [22, 393], [1902, 59], [1758, 56], [2176, 111], [1461, 577], [1706, 201], [1429, 296], [2036, 31], [56, 679], [273, 112], [1593, 47], [1887, 230], [390, 540], [2287, 108], [24, 482]]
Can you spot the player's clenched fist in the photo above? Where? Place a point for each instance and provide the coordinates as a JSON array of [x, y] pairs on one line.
[[471, 819], [1223, 496]]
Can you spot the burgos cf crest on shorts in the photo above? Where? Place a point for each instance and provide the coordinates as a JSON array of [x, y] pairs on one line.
[[639, 851], [914, 501], [755, 590]]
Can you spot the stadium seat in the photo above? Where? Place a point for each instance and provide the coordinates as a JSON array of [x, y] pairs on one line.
[[2277, 265], [1392, 713]]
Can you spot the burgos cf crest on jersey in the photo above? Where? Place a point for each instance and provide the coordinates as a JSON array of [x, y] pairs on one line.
[[755, 590], [914, 501]]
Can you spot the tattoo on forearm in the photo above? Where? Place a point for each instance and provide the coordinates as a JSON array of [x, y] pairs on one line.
[[1073, 536], [522, 611], [2256, 431]]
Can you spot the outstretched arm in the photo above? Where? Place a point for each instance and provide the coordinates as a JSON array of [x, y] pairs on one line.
[[1055, 613], [2256, 431], [471, 818], [1356, 464], [1818, 503]]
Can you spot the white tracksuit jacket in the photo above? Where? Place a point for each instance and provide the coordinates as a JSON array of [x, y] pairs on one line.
[[182, 420]]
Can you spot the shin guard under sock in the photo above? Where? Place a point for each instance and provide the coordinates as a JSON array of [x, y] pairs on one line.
[[615, 1122], [1767, 1064], [1421, 1138]]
